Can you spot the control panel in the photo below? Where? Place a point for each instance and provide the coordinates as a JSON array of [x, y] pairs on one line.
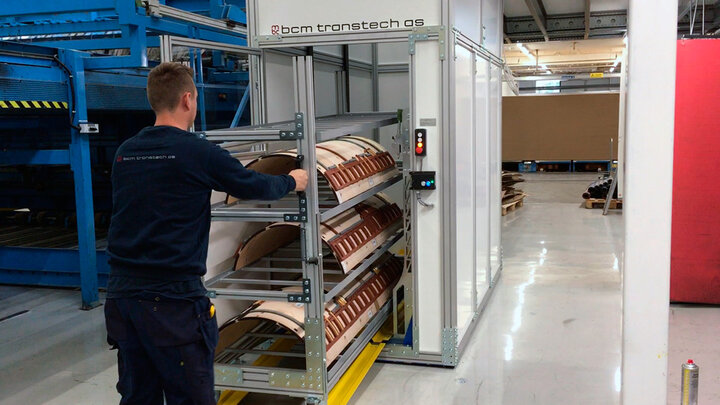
[[420, 142], [422, 180]]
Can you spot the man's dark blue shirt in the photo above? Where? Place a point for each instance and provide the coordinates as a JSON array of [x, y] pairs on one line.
[[162, 179]]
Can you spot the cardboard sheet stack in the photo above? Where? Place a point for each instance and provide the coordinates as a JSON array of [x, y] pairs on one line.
[[512, 197]]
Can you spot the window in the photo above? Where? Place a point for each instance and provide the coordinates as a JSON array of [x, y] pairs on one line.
[[542, 86]]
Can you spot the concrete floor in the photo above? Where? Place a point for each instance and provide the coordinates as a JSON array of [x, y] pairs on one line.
[[550, 334]]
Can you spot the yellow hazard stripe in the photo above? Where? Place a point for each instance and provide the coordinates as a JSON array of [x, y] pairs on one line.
[[23, 104]]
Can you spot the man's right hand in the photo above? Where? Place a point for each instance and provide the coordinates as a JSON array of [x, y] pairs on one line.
[[301, 179]]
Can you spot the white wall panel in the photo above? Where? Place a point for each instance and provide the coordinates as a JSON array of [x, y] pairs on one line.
[[393, 52], [428, 91], [394, 93], [482, 179], [334, 50], [466, 18], [495, 168], [464, 184], [361, 90], [278, 87], [361, 53], [325, 89], [492, 20]]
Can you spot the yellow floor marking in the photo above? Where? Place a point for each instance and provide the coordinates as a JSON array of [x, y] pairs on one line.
[[350, 381]]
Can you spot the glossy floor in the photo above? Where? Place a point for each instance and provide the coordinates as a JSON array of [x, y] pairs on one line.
[[550, 333]]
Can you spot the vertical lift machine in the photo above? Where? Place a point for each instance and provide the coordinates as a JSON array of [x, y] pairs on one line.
[[450, 160]]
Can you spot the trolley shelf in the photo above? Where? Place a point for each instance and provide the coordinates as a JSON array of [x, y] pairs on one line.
[[240, 212], [232, 276], [327, 128], [353, 274], [230, 375], [325, 215]]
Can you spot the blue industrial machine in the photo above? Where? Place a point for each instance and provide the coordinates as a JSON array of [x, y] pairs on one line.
[[72, 88]]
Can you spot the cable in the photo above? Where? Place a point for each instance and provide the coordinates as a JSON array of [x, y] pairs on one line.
[[71, 106]]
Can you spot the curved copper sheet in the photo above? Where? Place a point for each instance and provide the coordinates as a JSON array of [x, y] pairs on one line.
[[352, 235], [344, 318], [350, 164]]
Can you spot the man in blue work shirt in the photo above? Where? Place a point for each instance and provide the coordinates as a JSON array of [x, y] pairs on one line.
[[157, 314]]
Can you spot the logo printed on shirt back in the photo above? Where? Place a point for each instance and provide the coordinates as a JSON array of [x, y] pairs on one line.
[[144, 158]]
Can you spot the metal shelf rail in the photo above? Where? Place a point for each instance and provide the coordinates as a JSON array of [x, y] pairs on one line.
[[314, 379]]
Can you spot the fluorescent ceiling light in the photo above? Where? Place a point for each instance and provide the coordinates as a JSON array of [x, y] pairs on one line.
[[617, 62]]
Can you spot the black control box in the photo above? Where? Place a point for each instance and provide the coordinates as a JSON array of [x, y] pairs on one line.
[[422, 180]]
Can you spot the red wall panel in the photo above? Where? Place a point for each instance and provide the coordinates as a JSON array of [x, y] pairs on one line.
[[695, 259]]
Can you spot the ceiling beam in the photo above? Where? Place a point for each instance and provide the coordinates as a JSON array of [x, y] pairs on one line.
[[587, 19], [537, 10], [505, 35]]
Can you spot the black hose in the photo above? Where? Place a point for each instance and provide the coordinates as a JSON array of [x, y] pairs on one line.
[[71, 106]]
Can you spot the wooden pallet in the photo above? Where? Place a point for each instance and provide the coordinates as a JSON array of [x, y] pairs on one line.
[[513, 205], [591, 203]]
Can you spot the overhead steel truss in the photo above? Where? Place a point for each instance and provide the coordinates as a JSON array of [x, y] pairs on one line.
[[539, 26]]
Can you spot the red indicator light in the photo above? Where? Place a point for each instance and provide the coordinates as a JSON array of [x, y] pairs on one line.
[[418, 149]]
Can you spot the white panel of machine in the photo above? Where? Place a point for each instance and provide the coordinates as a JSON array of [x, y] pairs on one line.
[[482, 179], [465, 16], [394, 93], [278, 79], [394, 52], [335, 50], [361, 90], [492, 21], [429, 275], [495, 169], [325, 89], [287, 17], [361, 52], [464, 186]]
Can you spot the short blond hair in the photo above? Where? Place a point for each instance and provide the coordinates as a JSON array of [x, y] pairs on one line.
[[166, 84]]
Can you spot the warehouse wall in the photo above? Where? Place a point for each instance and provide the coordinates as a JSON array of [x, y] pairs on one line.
[[560, 127]]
